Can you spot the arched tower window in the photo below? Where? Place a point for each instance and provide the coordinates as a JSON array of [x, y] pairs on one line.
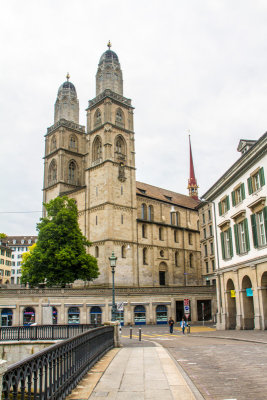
[[176, 258], [72, 173], [120, 148], [53, 143], [144, 256], [52, 172], [191, 260], [123, 252], [150, 213], [143, 211], [97, 149], [96, 251], [73, 142], [161, 234], [97, 117], [119, 119], [144, 235]]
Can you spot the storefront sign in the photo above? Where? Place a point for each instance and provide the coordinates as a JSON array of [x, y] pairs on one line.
[[249, 292], [232, 293]]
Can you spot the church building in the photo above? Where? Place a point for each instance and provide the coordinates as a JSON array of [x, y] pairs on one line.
[[153, 232]]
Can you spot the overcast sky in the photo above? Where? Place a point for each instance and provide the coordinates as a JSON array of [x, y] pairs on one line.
[[198, 65]]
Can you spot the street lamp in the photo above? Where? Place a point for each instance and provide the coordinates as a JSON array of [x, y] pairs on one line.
[[112, 261]]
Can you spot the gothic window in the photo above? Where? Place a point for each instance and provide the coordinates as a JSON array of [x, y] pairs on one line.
[[97, 149], [143, 211], [119, 117], [123, 252], [73, 142], [97, 117], [53, 143], [120, 147], [145, 256], [52, 172], [150, 213], [72, 173]]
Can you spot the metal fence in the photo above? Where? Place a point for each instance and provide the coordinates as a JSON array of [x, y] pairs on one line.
[[51, 374], [42, 332]]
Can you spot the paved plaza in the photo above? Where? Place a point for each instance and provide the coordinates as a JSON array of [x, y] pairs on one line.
[[205, 364]]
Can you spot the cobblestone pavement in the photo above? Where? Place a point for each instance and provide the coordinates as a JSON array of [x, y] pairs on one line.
[[220, 368]]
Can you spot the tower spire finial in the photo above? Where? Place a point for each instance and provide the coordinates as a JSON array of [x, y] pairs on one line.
[[109, 44], [192, 182], [68, 76]]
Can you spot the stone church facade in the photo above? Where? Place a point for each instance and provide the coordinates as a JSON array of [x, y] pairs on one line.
[[153, 232]]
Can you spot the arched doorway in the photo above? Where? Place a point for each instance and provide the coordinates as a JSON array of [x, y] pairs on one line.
[[96, 315], [6, 317], [139, 315], [73, 315], [264, 298], [161, 314], [231, 305], [28, 316], [54, 316], [248, 305]]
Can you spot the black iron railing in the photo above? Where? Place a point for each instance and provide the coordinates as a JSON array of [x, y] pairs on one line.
[[51, 374], [42, 332]]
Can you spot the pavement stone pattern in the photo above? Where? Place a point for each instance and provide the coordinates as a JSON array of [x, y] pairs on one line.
[[221, 364], [142, 373]]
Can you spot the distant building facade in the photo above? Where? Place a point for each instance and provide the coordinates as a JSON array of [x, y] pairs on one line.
[[5, 262], [239, 201], [18, 245]]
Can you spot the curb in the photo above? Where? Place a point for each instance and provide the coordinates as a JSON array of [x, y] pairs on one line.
[[229, 338]]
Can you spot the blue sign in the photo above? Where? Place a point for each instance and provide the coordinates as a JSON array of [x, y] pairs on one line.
[[249, 292]]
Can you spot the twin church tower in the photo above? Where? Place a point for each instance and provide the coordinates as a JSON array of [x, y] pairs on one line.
[[152, 231]]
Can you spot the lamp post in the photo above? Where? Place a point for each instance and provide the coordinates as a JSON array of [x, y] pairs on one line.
[[112, 261]]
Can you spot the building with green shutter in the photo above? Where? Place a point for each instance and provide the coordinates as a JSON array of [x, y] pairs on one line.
[[239, 208]]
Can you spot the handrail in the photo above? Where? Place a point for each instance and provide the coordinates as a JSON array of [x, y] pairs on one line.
[[52, 373], [42, 332]]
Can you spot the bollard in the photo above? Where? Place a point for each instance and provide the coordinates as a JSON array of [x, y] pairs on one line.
[[188, 328], [140, 333], [131, 332]]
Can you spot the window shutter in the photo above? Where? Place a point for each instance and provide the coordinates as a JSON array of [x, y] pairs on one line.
[[243, 191], [223, 247], [236, 239], [250, 189], [254, 229], [265, 219], [262, 179], [233, 198], [220, 208], [228, 203], [231, 242], [246, 233]]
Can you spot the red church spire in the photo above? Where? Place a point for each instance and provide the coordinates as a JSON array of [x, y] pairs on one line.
[[192, 182]]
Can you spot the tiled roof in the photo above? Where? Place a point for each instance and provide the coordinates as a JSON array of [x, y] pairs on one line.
[[143, 189], [9, 240]]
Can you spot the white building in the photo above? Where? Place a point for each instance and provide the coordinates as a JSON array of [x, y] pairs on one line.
[[19, 245], [240, 219]]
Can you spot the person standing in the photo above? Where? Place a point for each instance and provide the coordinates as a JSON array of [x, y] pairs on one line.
[[183, 325], [171, 324]]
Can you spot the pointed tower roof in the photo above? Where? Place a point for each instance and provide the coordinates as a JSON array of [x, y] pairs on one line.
[[192, 182]]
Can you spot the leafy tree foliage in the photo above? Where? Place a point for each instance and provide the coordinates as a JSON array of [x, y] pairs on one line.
[[3, 235], [59, 256]]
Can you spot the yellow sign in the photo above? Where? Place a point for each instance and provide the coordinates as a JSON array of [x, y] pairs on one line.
[[232, 293]]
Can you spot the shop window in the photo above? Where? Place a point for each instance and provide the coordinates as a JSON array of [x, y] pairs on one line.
[[161, 314], [54, 315], [96, 315], [73, 315], [6, 317], [139, 315], [28, 316]]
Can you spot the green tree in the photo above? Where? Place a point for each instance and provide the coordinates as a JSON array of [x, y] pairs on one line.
[[3, 235], [59, 256]]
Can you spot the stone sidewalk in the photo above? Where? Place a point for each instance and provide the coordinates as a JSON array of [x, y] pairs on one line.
[[136, 373]]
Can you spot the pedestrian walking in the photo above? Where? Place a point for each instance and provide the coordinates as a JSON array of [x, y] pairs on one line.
[[183, 325], [171, 323]]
